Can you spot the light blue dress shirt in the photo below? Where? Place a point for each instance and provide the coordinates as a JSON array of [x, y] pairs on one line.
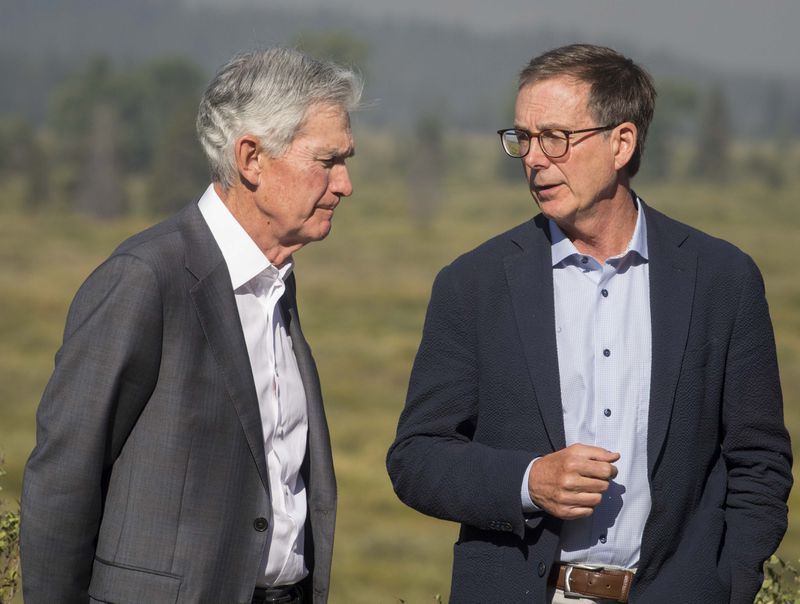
[[603, 335]]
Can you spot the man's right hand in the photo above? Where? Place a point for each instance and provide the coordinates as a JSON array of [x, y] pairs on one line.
[[570, 483]]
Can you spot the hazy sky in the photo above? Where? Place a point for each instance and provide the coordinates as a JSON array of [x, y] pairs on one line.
[[749, 34]]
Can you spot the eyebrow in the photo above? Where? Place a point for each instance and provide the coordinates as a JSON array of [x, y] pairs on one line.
[[338, 153]]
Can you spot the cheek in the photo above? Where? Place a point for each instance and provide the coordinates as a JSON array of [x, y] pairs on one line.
[[318, 187]]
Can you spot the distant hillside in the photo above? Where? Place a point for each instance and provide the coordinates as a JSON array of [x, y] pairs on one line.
[[412, 67]]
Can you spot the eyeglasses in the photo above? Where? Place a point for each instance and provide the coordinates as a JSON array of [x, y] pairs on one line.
[[553, 142]]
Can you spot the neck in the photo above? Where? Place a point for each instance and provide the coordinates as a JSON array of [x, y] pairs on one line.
[[241, 203], [607, 231]]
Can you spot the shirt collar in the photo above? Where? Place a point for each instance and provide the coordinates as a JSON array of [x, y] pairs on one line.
[[244, 258], [562, 248]]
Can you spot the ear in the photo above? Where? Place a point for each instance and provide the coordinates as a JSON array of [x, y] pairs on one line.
[[246, 152], [623, 144]]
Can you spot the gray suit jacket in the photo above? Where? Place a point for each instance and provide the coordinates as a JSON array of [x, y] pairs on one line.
[[148, 482]]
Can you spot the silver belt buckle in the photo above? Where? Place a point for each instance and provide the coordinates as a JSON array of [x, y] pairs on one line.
[[568, 578]]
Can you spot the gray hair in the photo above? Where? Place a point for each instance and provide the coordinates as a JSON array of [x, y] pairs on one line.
[[267, 93], [620, 90]]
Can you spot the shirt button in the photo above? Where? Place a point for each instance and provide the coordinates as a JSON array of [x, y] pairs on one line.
[[607, 412], [602, 538], [542, 568], [605, 293], [260, 524], [606, 353]]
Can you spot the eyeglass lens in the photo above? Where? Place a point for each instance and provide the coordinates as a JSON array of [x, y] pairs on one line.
[[516, 143], [553, 142]]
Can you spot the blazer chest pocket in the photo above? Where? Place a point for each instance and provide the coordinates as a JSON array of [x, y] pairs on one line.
[[122, 584]]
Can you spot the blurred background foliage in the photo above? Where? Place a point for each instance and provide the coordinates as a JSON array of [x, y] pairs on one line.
[[97, 142]]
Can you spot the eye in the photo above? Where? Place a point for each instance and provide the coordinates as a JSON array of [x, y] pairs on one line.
[[329, 162], [554, 135]]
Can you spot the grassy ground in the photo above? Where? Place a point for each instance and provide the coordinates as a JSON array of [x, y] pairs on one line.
[[363, 294]]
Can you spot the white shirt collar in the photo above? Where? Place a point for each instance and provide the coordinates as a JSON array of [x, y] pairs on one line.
[[562, 248], [244, 258]]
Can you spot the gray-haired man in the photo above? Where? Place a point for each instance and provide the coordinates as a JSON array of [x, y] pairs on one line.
[[182, 449]]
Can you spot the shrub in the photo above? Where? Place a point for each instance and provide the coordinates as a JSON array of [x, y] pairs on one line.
[[781, 583], [9, 550]]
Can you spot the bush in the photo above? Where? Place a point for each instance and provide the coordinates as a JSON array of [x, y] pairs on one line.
[[781, 583], [9, 550]]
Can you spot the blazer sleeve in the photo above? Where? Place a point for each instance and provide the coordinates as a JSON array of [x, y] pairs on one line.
[[435, 465], [104, 374], [755, 443]]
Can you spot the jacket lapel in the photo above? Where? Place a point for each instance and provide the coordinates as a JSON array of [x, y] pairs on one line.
[[530, 280], [673, 270], [215, 304], [322, 497], [318, 464]]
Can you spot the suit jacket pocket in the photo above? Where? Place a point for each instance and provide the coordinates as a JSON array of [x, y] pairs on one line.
[[476, 570], [698, 356], [122, 584]]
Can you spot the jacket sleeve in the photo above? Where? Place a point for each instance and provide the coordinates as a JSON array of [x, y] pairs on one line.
[[104, 374], [435, 465], [755, 443]]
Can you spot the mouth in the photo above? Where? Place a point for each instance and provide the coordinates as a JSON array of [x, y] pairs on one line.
[[544, 189]]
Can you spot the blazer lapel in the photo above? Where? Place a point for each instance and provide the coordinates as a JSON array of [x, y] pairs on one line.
[[530, 281], [673, 270], [219, 317], [322, 497]]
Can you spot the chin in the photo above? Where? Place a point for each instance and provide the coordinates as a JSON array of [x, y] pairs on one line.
[[322, 231]]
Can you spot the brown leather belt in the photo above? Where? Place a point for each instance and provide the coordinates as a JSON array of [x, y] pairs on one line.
[[611, 584]]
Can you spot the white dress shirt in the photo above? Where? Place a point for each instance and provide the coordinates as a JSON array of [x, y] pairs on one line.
[[603, 336], [257, 286]]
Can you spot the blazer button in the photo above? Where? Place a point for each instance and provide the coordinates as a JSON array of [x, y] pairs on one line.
[[260, 524], [541, 569]]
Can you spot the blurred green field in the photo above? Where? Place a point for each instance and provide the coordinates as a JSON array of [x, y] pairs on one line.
[[363, 294]]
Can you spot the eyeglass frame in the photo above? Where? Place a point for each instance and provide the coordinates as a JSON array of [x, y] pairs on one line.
[[538, 137]]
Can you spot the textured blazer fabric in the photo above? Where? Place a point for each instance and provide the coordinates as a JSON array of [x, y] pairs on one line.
[[484, 399]]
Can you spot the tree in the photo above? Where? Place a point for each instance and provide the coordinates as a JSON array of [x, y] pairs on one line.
[[76, 123], [426, 169], [100, 188], [775, 119], [70, 117], [180, 171], [675, 111], [713, 157], [22, 154], [148, 99], [111, 124]]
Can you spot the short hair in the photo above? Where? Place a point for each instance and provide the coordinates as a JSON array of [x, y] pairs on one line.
[[267, 93], [620, 90]]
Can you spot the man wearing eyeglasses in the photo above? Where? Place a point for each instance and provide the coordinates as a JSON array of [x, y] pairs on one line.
[[596, 395]]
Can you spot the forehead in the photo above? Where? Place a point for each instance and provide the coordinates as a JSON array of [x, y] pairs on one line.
[[325, 126], [554, 102]]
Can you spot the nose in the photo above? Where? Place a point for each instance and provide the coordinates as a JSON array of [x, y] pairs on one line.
[[536, 159], [341, 184]]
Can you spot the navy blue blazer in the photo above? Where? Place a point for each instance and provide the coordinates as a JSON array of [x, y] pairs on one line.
[[484, 399]]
